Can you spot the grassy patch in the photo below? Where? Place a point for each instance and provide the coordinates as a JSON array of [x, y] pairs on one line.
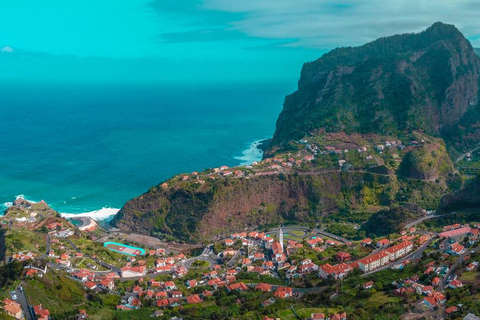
[[143, 313], [101, 314], [92, 248], [87, 263], [200, 263], [380, 298], [304, 313], [20, 240], [469, 276], [55, 292]]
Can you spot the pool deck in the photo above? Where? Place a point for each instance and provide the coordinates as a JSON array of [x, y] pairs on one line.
[[126, 246]]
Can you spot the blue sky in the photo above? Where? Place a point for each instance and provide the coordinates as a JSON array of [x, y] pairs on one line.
[[213, 40]]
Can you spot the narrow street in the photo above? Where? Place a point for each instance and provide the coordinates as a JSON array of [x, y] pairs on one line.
[[22, 299], [457, 263], [414, 223]]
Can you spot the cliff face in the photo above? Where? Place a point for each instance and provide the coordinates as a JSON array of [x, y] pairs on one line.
[[426, 81], [428, 162], [391, 220], [467, 198], [22, 207], [234, 205], [3, 247]]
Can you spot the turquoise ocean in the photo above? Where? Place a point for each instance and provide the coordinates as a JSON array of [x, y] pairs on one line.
[[92, 147]]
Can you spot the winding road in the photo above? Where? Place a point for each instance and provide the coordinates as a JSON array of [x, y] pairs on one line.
[[414, 223], [459, 261], [464, 154], [207, 255]]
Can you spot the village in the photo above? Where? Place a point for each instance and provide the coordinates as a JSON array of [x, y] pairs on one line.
[[323, 152], [290, 262]]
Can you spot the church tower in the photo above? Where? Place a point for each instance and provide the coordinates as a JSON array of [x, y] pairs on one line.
[[281, 237]]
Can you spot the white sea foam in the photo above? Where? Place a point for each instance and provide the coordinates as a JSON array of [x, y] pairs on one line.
[[8, 204], [252, 154], [102, 214], [22, 196]]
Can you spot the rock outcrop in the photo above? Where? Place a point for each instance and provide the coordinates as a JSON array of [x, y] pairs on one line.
[[391, 220], [428, 162], [466, 198], [427, 81], [223, 207]]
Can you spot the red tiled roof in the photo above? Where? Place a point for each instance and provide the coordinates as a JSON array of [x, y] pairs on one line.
[[276, 247], [139, 269], [432, 301], [336, 269], [384, 253], [454, 233], [240, 286], [263, 287], [120, 307], [383, 242], [195, 298], [455, 283], [451, 309], [283, 292]]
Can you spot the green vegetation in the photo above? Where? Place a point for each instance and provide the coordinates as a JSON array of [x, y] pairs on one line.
[[467, 198], [64, 297], [9, 273], [143, 313], [200, 263], [56, 292], [372, 95], [428, 162], [21, 239], [268, 201], [391, 220], [92, 248]]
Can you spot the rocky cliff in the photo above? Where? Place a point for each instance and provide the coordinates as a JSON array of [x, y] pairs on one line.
[[391, 220], [222, 207], [428, 162], [426, 81], [22, 207], [467, 198]]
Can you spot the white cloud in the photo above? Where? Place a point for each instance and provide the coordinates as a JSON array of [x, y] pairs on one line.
[[326, 24]]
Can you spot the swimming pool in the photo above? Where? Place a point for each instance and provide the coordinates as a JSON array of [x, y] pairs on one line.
[[124, 248]]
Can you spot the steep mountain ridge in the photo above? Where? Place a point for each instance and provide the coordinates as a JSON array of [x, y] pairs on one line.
[[426, 81], [210, 211], [466, 198], [428, 162], [407, 87]]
